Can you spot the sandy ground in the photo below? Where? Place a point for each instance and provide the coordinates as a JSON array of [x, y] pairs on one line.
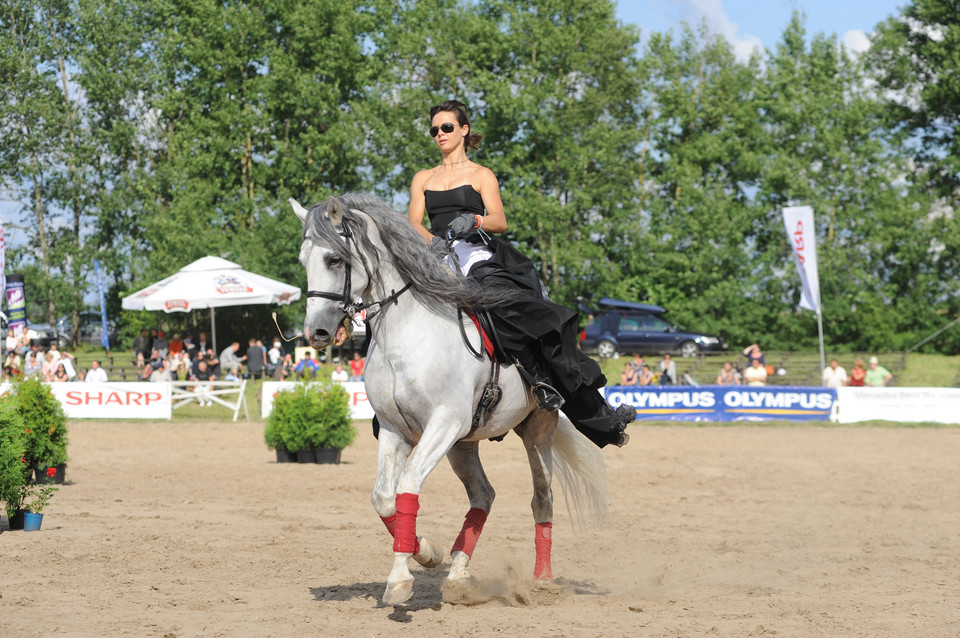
[[169, 529]]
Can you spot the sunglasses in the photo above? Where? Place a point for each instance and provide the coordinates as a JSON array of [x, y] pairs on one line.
[[446, 127]]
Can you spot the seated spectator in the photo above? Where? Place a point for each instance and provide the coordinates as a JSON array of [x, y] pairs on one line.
[[12, 362], [230, 357], [32, 367], [154, 364], [96, 374], [256, 359], [69, 362], [752, 352], [284, 369], [857, 374], [307, 366], [689, 380], [339, 375], [141, 348], [646, 375], [23, 342], [61, 374], [637, 362], [176, 344], [877, 375], [213, 362], [357, 365], [274, 357], [755, 374], [161, 344], [629, 376], [203, 374], [55, 351], [48, 368], [668, 369], [728, 375], [834, 376]]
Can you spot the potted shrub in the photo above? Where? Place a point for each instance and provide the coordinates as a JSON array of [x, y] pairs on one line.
[[14, 469], [310, 418], [46, 425]]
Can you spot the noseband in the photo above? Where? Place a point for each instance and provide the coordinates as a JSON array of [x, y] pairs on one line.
[[346, 305]]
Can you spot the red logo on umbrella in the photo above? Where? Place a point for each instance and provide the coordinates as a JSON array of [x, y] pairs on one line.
[[177, 303]]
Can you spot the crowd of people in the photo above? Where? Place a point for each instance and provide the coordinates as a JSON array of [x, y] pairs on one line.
[[754, 372], [28, 360]]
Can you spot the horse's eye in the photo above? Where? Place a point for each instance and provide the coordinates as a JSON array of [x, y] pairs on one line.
[[333, 261]]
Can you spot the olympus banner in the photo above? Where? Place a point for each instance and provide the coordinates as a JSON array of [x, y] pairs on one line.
[[724, 403]]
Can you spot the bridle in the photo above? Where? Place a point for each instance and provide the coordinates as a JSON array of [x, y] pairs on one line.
[[347, 306]]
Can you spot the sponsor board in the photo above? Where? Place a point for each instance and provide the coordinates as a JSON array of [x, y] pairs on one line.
[[724, 403], [914, 405], [359, 404], [114, 400]]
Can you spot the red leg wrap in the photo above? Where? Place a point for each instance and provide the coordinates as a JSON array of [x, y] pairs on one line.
[[543, 539], [405, 538], [470, 532], [391, 524]]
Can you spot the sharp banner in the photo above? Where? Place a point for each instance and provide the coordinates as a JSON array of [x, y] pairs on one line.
[[725, 403], [118, 400]]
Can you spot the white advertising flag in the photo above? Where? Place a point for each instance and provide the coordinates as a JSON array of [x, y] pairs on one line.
[[801, 233]]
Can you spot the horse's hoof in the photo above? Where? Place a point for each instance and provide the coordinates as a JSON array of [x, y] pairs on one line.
[[461, 590], [430, 555], [397, 593]]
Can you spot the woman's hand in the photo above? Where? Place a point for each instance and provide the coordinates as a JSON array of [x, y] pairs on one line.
[[461, 226]]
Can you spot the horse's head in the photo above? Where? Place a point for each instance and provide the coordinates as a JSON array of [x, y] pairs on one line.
[[327, 254]]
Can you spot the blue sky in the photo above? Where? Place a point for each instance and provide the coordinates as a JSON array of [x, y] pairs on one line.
[[750, 23]]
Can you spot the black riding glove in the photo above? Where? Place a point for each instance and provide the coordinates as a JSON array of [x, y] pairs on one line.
[[461, 226]]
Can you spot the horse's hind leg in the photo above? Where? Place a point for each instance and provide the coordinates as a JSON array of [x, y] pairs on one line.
[[464, 458], [537, 434]]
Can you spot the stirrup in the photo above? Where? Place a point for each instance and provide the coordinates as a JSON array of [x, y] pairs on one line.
[[547, 397]]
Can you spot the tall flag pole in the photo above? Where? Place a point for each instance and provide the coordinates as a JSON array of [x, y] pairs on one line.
[[798, 221], [3, 272], [104, 332]]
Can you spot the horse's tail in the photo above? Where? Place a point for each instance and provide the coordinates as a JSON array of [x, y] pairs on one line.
[[579, 466]]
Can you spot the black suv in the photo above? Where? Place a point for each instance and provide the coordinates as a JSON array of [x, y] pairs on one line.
[[625, 326]]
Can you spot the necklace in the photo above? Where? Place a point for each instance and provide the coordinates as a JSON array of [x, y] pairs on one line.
[[454, 163]]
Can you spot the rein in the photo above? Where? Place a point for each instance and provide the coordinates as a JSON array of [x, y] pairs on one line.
[[354, 309]]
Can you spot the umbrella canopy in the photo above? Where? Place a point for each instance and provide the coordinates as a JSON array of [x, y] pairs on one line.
[[210, 282]]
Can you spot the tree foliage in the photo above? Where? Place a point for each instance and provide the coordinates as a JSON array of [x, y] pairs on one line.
[[150, 134]]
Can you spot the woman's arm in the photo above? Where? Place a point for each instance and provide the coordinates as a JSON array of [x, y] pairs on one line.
[[418, 209], [495, 220]]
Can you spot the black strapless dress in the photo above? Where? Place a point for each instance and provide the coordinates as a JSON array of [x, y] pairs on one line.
[[540, 334]]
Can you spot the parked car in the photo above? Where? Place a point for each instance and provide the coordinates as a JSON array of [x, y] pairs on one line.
[[91, 325], [624, 327], [41, 334]]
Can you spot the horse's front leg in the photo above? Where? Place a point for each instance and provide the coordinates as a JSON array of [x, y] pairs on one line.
[[438, 437], [464, 458], [537, 433]]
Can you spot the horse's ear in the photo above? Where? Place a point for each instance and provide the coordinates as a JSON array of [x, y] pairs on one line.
[[299, 210], [335, 211]]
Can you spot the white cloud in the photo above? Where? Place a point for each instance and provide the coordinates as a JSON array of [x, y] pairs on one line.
[[855, 41], [717, 21]]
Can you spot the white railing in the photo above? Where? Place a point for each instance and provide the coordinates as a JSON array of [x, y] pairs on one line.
[[229, 394]]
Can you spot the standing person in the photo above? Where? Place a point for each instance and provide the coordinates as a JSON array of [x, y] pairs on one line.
[[637, 362], [462, 200], [752, 352], [877, 375], [284, 369], [834, 376], [274, 357], [141, 348], [12, 341], [96, 374], [755, 374], [857, 374], [668, 368], [356, 367], [256, 361]]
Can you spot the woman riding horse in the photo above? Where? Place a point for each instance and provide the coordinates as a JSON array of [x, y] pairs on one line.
[[462, 200]]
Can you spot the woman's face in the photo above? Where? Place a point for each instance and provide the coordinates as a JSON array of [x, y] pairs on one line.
[[448, 141]]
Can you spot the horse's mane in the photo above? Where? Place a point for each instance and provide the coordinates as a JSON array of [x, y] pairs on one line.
[[432, 282]]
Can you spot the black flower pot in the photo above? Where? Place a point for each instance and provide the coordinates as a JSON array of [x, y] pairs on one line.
[[306, 456], [17, 520], [285, 456], [328, 455], [42, 478]]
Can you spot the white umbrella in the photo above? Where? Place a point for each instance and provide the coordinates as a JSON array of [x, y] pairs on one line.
[[210, 282]]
